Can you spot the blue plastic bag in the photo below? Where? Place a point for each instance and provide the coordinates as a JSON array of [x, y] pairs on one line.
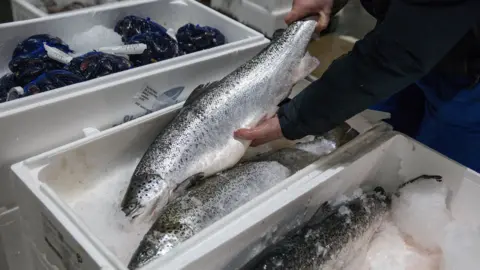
[[132, 25], [7, 82], [51, 80], [30, 60], [97, 64], [160, 46], [34, 44], [193, 38], [48, 81]]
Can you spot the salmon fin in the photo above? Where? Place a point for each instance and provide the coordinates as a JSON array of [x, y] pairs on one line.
[[188, 183], [323, 212], [277, 34], [306, 66], [198, 91], [174, 92]]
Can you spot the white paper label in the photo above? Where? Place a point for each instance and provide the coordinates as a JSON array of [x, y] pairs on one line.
[[149, 100], [71, 259], [57, 54]]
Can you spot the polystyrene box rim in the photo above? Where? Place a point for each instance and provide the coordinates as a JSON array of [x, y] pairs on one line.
[[254, 39], [21, 7], [27, 170], [38, 13]]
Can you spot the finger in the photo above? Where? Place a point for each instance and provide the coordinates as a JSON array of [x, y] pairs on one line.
[[294, 15], [323, 21]]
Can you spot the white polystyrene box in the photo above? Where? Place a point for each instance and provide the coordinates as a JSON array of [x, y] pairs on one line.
[[57, 191], [388, 160], [30, 129], [14, 253], [25, 10], [272, 5], [169, 13], [31, 9], [253, 14]]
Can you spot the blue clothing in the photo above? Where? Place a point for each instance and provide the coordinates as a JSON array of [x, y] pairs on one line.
[[448, 121]]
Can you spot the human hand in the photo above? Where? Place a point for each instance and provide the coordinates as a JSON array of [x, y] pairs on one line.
[[304, 8], [266, 131]]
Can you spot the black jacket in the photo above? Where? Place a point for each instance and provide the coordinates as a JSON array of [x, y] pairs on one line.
[[412, 38]]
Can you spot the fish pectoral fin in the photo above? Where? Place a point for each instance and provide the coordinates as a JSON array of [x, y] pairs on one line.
[[277, 33], [188, 183], [198, 91], [306, 66]]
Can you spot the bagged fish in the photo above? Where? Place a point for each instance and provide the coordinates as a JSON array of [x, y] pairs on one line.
[[7, 82], [160, 46], [205, 203], [132, 25], [199, 141], [30, 59], [97, 64], [331, 239], [48, 81], [192, 38], [35, 43]]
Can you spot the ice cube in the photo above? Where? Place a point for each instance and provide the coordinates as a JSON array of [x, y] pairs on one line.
[[421, 212], [94, 38]]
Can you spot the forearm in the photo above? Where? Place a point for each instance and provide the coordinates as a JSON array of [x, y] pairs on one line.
[[396, 54]]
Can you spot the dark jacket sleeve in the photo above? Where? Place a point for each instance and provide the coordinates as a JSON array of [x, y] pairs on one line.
[[414, 36]]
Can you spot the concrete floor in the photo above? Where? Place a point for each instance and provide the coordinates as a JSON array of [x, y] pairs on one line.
[[354, 22]]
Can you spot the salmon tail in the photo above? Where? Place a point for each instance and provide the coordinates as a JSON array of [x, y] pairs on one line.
[[306, 66]]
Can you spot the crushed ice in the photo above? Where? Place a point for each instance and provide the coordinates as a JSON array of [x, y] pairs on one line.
[[421, 234], [93, 39]]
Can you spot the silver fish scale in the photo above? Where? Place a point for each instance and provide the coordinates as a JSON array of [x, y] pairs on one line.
[[200, 138], [206, 203], [331, 243]]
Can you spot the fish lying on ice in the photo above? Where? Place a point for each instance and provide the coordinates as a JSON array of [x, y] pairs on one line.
[[331, 239], [303, 154], [330, 141], [205, 203], [199, 141]]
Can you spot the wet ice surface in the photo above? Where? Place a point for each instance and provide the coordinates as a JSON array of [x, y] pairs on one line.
[[93, 39], [421, 234], [389, 250]]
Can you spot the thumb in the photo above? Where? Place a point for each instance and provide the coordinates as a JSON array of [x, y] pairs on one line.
[[249, 133], [294, 15]]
